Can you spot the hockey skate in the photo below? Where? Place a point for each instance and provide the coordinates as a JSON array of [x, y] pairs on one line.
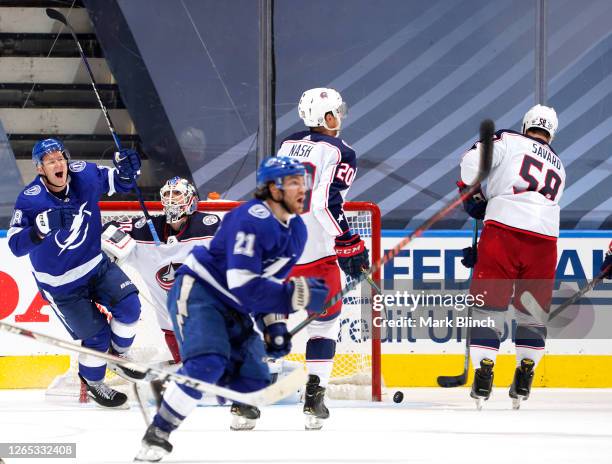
[[155, 445], [123, 372], [483, 382], [314, 407], [244, 416], [521, 385], [104, 395]]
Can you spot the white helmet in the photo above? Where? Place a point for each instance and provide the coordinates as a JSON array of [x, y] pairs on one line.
[[316, 103], [179, 198], [541, 117]]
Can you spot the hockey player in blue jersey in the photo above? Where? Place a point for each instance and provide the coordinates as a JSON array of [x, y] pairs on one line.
[[56, 222], [220, 289]]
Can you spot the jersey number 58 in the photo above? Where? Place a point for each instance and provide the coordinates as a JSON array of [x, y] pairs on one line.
[[552, 181]]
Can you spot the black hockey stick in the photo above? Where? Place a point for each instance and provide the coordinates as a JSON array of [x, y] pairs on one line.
[[450, 381], [284, 386], [487, 130], [532, 305], [57, 16]]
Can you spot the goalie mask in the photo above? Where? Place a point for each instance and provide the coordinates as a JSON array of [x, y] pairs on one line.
[[179, 198], [316, 103], [541, 117]]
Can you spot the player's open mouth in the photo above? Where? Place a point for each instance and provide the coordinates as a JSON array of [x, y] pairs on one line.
[[59, 175]]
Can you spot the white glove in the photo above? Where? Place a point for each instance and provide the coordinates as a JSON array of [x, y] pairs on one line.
[[116, 243]]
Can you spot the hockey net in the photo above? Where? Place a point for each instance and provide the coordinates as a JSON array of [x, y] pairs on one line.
[[356, 372]]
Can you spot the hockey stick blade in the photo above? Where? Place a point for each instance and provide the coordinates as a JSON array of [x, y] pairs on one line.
[[284, 387], [452, 381], [54, 14], [487, 130], [532, 305], [534, 308]]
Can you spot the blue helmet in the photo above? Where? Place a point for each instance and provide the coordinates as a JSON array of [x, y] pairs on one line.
[[273, 169], [48, 146]]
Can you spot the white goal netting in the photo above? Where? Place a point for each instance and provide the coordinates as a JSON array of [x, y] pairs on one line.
[[356, 372]]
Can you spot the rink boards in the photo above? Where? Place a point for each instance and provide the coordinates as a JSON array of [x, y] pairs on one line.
[[583, 362]]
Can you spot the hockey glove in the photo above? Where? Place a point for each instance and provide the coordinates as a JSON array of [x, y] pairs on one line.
[[470, 256], [127, 162], [276, 335], [308, 294], [606, 266], [476, 204], [116, 243], [53, 219], [352, 255]]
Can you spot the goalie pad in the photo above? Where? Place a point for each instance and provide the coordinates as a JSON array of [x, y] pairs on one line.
[[116, 243]]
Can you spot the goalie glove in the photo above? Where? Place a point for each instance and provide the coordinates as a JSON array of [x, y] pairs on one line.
[[309, 294], [476, 204], [352, 254], [116, 243], [276, 336]]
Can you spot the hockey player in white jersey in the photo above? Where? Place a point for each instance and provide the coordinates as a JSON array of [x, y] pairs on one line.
[[517, 250], [180, 228], [57, 223], [333, 166]]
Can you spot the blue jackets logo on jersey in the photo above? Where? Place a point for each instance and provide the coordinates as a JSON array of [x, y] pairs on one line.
[[78, 233], [34, 190], [166, 275], [210, 220]]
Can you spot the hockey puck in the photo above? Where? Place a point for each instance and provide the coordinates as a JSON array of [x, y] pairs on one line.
[[398, 397]]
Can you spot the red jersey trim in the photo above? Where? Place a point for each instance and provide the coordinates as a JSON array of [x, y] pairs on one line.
[[325, 260]]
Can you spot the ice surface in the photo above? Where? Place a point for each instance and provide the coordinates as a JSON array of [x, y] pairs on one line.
[[430, 426]]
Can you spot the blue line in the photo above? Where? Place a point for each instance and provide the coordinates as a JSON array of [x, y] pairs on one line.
[[400, 233], [2, 233]]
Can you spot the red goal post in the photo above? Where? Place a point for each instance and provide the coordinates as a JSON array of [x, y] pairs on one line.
[[364, 218]]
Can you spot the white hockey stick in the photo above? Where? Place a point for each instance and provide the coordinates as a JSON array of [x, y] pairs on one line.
[[284, 387], [532, 305]]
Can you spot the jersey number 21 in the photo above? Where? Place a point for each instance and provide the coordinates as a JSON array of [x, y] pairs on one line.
[[245, 244]]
